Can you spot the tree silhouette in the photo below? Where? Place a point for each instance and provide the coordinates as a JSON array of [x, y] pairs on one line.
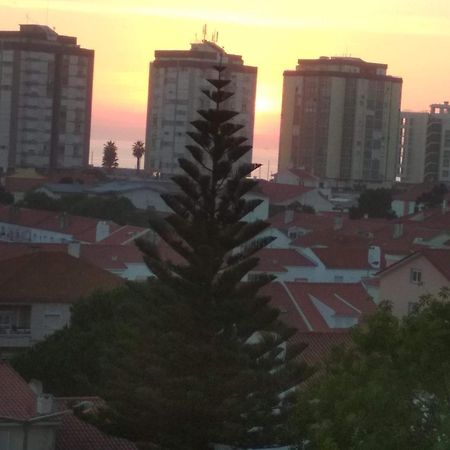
[[213, 363], [138, 152], [110, 160]]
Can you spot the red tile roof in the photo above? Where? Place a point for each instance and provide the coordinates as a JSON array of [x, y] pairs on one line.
[[440, 258], [306, 221], [48, 277], [320, 344], [13, 249], [17, 400], [110, 257], [281, 193], [342, 257], [411, 194], [282, 301], [295, 299], [276, 260], [75, 434], [125, 235], [82, 228]]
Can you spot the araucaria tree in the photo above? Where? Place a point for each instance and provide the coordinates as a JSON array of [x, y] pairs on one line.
[[138, 152], [213, 366], [110, 160]]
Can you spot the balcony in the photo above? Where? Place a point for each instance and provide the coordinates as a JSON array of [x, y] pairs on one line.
[[15, 337]]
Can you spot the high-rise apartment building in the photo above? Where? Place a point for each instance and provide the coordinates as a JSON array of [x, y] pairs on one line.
[[340, 120], [45, 99], [177, 78], [425, 145]]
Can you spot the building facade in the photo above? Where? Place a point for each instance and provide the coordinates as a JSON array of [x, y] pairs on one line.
[[45, 99], [176, 81], [413, 138], [425, 145], [340, 120]]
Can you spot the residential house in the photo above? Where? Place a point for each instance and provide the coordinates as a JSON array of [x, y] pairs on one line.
[[321, 307], [37, 291], [32, 420], [423, 272]]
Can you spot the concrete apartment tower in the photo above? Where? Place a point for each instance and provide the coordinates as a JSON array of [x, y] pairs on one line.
[[425, 145], [177, 78], [340, 120], [45, 99]]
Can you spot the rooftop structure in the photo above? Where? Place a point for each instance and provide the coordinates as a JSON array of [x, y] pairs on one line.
[[340, 120], [177, 78], [45, 99]]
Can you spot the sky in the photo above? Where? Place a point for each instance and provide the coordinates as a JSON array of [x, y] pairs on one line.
[[411, 36]]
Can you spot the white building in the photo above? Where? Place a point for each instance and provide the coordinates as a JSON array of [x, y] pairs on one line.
[[45, 99], [425, 145], [340, 120], [177, 78]]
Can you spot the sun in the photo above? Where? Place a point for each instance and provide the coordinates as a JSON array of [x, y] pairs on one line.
[[264, 104]]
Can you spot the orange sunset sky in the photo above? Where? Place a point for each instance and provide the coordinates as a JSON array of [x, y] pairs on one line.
[[411, 36]]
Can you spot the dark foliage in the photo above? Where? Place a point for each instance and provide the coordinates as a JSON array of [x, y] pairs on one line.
[[6, 197], [214, 365], [389, 390], [118, 209], [373, 203], [110, 160], [434, 197]]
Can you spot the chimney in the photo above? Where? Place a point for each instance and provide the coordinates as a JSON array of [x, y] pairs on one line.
[[73, 249], [44, 404], [288, 215], [338, 223], [101, 230], [374, 257], [398, 230]]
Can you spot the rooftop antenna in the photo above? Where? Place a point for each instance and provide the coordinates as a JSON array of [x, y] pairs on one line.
[[215, 37], [205, 32]]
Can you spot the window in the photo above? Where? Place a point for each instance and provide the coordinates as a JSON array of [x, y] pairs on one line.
[[416, 276]]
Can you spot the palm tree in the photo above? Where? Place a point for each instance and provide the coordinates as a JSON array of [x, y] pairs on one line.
[[110, 160], [138, 153]]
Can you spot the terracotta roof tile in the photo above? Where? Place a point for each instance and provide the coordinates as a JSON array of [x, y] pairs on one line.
[[17, 400], [51, 277], [75, 434], [342, 257], [320, 344], [111, 257], [281, 193], [82, 228], [276, 260], [125, 235], [295, 299]]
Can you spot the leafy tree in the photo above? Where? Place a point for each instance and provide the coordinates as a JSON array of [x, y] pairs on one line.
[[77, 359], [110, 160], [375, 203], [40, 200], [214, 365], [5, 197], [389, 390], [434, 197], [138, 153]]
